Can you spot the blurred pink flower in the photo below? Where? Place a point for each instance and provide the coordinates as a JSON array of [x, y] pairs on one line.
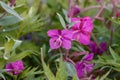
[[99, 0], [73, 11], [82, 29], [95, 49], [60, 38], [84, 66], [118, 13], [15, 67]]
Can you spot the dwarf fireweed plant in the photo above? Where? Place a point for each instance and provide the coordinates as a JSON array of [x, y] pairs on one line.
[[59, 40]]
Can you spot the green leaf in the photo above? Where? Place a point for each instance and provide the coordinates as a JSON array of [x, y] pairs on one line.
[[61, 71], [12, 44], [2, 62], [10, 10], [70, 69], [105, 75], [19, 56], [114, 55], [8, 20], [62, 20], [17, 43], [2, 76], [30, 71], [48, 72]]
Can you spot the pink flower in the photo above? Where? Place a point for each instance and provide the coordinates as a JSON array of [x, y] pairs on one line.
[[84, 66], [15, 67], [99, 0], [73, 11], [60, 38], [118, 13], [95, 49], [82, 29]]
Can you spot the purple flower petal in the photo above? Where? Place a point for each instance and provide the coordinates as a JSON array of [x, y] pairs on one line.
[[55, 43], [66, 44], [77, 23], [15, 67], [88, 57], [88, 25], [80, 69], [18, 67], [52, 33], [95, 49], [9, 67], [84, 39], [67, 34], [103, 45], [82, 29]]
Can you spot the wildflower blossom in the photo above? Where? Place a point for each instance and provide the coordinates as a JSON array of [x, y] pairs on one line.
[[73, 11], [84, 66], [15, 67], [95, 49], [82, 29], [60, 38]]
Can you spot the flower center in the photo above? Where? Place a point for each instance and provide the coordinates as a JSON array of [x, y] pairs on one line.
[[59, 40]]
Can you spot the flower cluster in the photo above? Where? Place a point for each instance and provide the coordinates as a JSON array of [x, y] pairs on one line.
[[80, 32], [82, 29], [84, 66], [73, 11], [100, 49], [15, 67]]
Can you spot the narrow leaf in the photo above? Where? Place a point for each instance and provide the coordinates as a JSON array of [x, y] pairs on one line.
[[114, 55], [48, 72], [8, 20], [105, 75], [10, 10], [62, 20], [19, 56]]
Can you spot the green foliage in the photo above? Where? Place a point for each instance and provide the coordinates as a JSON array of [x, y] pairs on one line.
[[10, 10], [23, 31], [64, 71], [62, 20]]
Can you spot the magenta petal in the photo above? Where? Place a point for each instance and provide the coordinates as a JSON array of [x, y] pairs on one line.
[[89, 67], [52, 33], [93, 47], [67, 34], [77, 23], [88, 25], [9, 67], [84, 39], [80, 69], [66, 44], [18, 67], [76, 35], [54, 43], [88, 57]]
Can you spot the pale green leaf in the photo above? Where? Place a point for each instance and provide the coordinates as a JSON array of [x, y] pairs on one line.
[[2, 76], [114, 55], [48, 72], [62, 20], [10, 10], [61, 71], [20, 56], [8, 20]]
